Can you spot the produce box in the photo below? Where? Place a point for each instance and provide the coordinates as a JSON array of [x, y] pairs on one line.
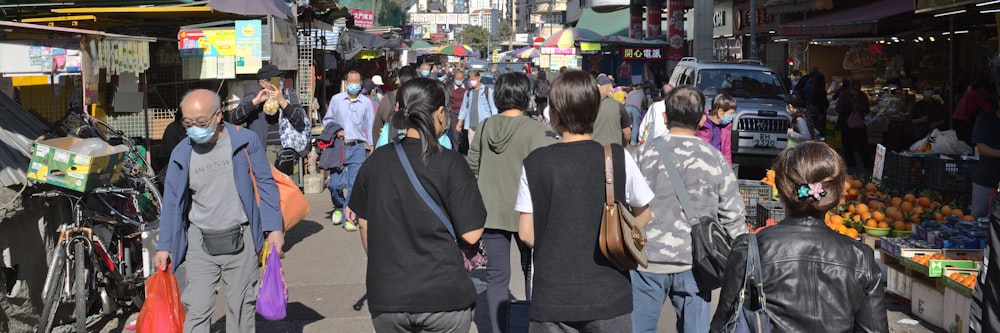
[[770, 210], [955, 285], [905, 168], [955, 318], [935, 268], [909, 246], [53, 163], [951, 172], [927, 302], [752, 192], [897, 282]]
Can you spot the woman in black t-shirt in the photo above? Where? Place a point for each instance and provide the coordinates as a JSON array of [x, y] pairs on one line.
[[416, 279]]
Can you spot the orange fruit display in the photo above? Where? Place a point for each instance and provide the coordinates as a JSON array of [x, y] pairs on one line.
[[946, 210], [851, 232], [924, 202], [899, 225], [878, 216], [871, 224], [906, 207], [883, 225], [861, 208]]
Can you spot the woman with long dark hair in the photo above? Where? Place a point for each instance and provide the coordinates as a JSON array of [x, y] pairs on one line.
[[416, 279]]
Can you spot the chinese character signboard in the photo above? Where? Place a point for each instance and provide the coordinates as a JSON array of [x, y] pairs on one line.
[[363, 18], [248, 46], [642, 53]]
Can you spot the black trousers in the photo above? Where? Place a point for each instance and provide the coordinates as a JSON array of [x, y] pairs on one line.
[[855, 141]]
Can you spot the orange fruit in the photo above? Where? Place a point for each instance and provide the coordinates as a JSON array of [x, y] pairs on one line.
[[871, 224], [918, 210], [856, 184], [883, 225], [852, 209], [957, 212], [866, 216], [847, 184], [856, 218], [852, 191], [899, 225], [878, 216], [906, 207], [851, 232], [909, 227], [968, 218], [915, 218], [938, 217], [924, 202], [836, 219], [945, 209], [862, 208], [870, 187], [909, 197], [954, 276], [896, 201]]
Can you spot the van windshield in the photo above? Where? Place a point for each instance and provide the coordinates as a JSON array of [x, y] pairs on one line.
[[746, 83]]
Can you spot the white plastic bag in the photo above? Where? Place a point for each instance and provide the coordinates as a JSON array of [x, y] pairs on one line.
[[943, 142]]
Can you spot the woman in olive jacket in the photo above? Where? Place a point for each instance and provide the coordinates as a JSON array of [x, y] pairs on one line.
[[815, 280]]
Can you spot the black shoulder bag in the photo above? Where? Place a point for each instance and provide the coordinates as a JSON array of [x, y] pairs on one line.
[[744, 320], [710, 241]]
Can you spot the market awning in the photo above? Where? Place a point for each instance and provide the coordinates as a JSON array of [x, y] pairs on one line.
[[797, 6], [613, 23], [74, 31], [858, 20]]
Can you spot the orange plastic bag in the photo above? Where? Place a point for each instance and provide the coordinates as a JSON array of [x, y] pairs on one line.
[[162, 312]]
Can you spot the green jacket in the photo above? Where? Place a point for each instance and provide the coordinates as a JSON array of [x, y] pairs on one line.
[[496, 157]]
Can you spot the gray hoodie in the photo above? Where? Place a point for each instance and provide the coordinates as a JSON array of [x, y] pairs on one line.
[[496, 157]]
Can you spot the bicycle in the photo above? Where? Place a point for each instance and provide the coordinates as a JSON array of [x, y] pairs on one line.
[[105, 252], [86, 268]]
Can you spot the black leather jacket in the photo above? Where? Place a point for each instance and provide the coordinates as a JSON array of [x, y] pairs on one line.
[[815, 280]]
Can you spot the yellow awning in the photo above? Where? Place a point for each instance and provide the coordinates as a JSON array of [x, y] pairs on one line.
[[92, 10], [60, 18]]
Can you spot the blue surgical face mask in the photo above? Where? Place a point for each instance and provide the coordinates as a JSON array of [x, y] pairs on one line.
[[726, 120], [458, 83], [441, 78], [425, 73], [353, 88], [200, 134]]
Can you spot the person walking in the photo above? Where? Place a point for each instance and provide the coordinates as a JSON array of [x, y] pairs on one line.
[[204, 228], [388, 107], [457, 89], [714, 192], [612, 124], [634, 102], [654, 123], [264, 121], [541, 89], [561, 198], [496, 159], [415, 277], [852, 109], [355, 115], [477, 105], [717, 127], [814, 279]]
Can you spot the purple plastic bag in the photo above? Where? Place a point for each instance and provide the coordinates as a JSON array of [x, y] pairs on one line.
[[272, 300]]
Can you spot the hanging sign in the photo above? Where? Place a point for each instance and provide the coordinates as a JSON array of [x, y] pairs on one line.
[[207, 43], [363, 18], [248, 46], [642, 53]]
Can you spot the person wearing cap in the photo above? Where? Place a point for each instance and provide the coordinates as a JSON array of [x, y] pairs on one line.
[[263, 121], [613, 125], [356, 115], [377, 79], [370, 90]]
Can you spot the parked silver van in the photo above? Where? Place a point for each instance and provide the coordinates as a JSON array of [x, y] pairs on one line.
[[761, 121]]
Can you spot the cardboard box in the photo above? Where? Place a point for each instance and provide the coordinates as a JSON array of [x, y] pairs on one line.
[[955, 318], [897, 282], [927, 302], [53, 163]]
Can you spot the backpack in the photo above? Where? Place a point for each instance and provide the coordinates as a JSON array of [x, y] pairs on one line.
[[542, 88], [291, 138]]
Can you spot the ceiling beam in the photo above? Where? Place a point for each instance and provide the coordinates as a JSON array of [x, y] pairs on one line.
[[60, 18], [95, 10]]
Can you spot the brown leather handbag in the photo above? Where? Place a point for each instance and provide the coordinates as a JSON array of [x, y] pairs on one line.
[[621, 239]]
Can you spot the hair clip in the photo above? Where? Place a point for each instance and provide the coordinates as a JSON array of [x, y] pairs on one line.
[[814, 191]]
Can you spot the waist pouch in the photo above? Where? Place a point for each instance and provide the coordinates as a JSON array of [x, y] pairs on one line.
[[224, 242]]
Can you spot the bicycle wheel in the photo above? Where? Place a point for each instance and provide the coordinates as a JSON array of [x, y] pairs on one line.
[[53, 291], [138, 209], [80, 286]]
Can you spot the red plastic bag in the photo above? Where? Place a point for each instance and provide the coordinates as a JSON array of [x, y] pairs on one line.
[[163, 311]]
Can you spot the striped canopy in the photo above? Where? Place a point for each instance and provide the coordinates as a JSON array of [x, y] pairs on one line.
[[567, 38], [458, 50]]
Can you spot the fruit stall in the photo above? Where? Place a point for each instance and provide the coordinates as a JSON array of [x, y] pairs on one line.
[[930, 247]]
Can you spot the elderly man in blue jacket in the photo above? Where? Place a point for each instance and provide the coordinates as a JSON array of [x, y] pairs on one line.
[[216, 235]]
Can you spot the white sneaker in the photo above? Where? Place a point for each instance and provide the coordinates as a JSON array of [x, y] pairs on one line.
[[349, 226], [338, 217]]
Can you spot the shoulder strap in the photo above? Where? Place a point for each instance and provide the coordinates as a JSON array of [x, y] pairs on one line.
[[421, 191], [753, 260], [609, 176], [675, 178]]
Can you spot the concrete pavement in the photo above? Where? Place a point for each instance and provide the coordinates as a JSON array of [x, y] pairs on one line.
[[325, 271]]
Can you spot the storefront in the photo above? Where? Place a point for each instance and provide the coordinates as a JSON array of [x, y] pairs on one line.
[[726, 45]]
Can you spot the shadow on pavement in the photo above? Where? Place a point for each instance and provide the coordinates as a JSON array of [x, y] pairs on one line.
[[298, 317], [299, 232]]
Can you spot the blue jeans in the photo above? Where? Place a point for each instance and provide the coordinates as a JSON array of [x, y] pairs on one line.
[[692, 305], [354, 156], [636, 115]]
